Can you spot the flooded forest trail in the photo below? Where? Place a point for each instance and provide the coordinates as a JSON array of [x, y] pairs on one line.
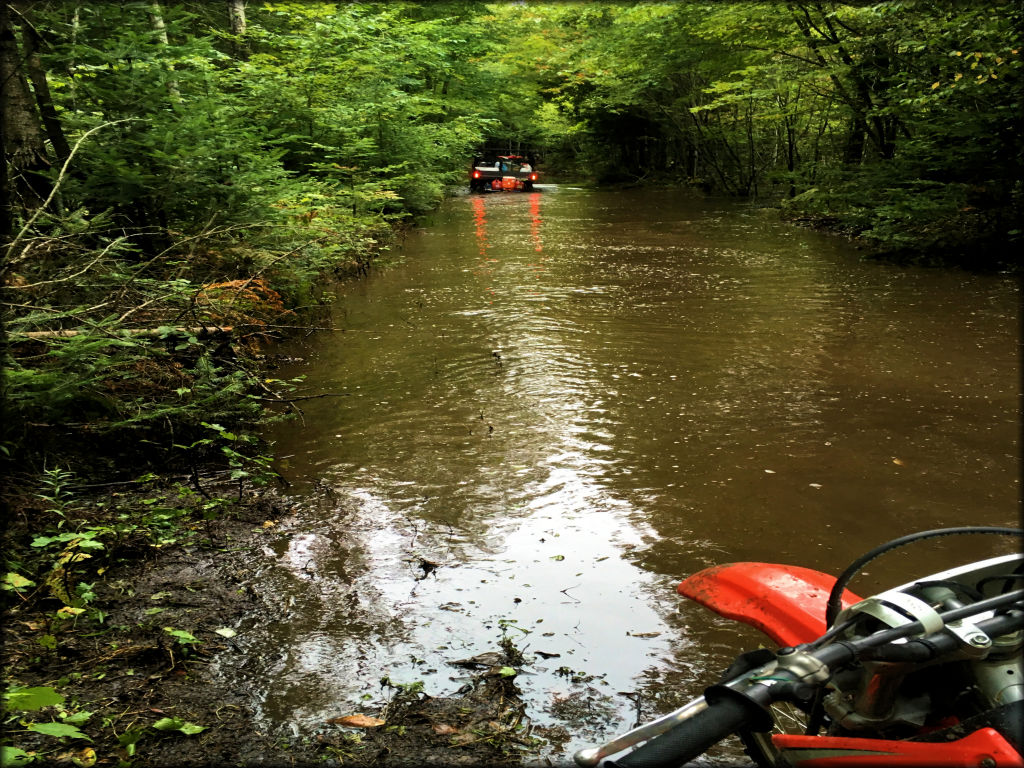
[[552, 406]]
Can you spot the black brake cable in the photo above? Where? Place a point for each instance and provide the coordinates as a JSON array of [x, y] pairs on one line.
[[835, 597], [1006, 578]]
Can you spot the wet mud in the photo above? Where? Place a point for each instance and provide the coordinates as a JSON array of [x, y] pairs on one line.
[[127, 673]]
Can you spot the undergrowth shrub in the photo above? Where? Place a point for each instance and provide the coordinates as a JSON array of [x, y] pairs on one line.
[[109, 354]]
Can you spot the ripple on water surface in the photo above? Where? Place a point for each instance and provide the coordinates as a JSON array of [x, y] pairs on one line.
[[557, 404]]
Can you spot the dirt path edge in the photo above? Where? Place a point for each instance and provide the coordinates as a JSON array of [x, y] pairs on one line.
[[137, 677]]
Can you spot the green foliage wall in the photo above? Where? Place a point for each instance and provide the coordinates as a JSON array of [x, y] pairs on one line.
[[215, 179], [896, 121]]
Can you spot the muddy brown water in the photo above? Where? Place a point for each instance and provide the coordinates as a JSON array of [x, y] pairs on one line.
[[555, 405]]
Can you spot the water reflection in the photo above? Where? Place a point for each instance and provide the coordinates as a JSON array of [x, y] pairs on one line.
[[569, 399], [535, 222], [480, 220]]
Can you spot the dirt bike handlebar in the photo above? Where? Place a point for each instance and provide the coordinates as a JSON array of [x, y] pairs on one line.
[[741, 703], [692, 737]]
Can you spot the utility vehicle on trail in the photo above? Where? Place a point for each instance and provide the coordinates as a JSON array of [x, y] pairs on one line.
[[509, 173]]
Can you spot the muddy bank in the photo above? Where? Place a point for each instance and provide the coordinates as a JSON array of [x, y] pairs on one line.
[[130, 675]]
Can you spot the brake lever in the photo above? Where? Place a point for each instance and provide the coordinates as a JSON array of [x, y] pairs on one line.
[[586, 758]]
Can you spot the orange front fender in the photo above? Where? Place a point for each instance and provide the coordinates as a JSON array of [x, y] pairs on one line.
[[786, 602]]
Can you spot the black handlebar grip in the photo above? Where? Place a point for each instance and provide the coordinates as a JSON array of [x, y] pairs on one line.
[[682, 743]]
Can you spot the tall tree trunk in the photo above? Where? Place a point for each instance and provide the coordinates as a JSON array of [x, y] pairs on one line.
[[156, 23], [6, 212], [54, 130], [24, 147], [862, 97], [236, 20], [791, 154], [853, 151], [76, 24], [752, 170], [236, 16]]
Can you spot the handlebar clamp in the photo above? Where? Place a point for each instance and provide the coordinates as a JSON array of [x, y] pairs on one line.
[[802, 665]]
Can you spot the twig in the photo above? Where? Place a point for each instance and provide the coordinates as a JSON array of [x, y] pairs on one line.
[[84, 320], [133, 310], [290, 327], [116, 482], [206, 233], [56, 186], [281, 399], [82, 271]]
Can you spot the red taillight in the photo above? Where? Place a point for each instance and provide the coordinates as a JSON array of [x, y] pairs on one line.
[[533, 177], [476, 174]]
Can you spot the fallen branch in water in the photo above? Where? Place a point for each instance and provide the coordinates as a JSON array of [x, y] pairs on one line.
[[144, 332], [303, 327], [282, 399]]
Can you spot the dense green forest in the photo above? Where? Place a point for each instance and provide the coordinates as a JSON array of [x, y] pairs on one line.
[[182, 180], [171, 170]]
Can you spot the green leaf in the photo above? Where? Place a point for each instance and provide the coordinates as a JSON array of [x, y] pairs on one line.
[[177, 724], [129, 739], [14, 756], [190, 729], [78, 717], [32, 699], [507, 672], [16, 581], [60, 730], [181, 635], [226, 632]]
